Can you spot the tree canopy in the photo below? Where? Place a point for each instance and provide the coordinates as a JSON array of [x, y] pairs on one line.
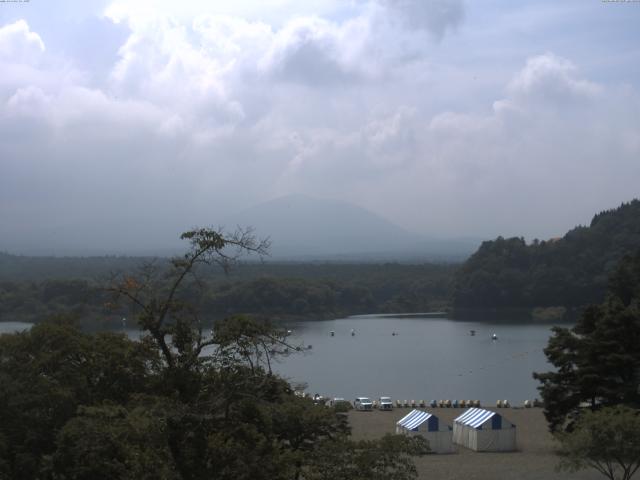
[[181, 403], [607, 440], [276, 290], [597, 361], [571, 271]]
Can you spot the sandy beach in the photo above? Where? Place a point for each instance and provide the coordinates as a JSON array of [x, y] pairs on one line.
[[533, 460]]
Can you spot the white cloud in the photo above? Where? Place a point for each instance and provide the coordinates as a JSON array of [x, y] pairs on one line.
[[29, 101], [317, 52], [552, 78], [204, 114], [533, 154], [28, 71], [18, 44], [308, 50]]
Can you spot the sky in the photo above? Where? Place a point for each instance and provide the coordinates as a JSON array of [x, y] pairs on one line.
[[122, 123]]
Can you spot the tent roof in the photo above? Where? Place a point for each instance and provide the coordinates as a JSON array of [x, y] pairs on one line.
[[474, 417], [414, 419]]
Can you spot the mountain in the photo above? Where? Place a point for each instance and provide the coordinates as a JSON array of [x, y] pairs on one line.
[[304, 228], [571, 271], [301, 228]]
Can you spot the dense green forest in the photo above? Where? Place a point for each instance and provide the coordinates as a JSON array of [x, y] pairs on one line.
[[181, 403], [100, 406], [571, 271], [49, 286]]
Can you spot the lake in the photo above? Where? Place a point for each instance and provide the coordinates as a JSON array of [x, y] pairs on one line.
[[429, 358]]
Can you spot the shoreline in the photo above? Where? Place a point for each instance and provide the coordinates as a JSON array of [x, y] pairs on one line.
[[534, 459]]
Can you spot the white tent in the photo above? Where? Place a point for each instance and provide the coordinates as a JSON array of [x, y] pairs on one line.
[[484, 431], [427, 425]]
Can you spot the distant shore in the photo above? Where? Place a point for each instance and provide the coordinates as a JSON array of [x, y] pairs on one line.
[[535, 458]]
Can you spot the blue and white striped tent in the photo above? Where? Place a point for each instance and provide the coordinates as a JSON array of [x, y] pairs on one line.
[[418, 422], [484, 431]]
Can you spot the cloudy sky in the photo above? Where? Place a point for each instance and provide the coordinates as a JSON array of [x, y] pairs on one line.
[[129, 120]]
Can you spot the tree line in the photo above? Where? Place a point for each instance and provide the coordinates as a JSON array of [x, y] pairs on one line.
[[592, 396], [184, 402], [353, 289], [571, 271]]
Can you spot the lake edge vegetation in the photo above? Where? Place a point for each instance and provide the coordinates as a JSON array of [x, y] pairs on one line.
[[543, 280], [592, 397], [181, 403]]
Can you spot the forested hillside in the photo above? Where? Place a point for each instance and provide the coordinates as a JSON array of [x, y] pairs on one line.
[[571, 271], [51, 286], [17, 268]]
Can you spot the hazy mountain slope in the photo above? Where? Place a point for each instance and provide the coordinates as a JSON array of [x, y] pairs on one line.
[[301, 226]]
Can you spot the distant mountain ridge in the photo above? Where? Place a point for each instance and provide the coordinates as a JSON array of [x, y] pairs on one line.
[[571, 271], [303, 227]]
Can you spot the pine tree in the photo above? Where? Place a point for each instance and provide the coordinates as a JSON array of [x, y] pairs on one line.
[[598, 360]]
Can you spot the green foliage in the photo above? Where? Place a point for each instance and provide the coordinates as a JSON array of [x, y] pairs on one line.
[[389, 458], [48, 372], [75, 405], [598, 360], [607, 440], [275, 290], [571, 271], [342, 406], [302, 425], [109, 441], [181, 403]]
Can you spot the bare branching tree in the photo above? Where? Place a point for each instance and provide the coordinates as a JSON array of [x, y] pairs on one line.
[[173, 324]]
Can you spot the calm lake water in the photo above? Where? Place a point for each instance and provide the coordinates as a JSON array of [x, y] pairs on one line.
[[429, 358]]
